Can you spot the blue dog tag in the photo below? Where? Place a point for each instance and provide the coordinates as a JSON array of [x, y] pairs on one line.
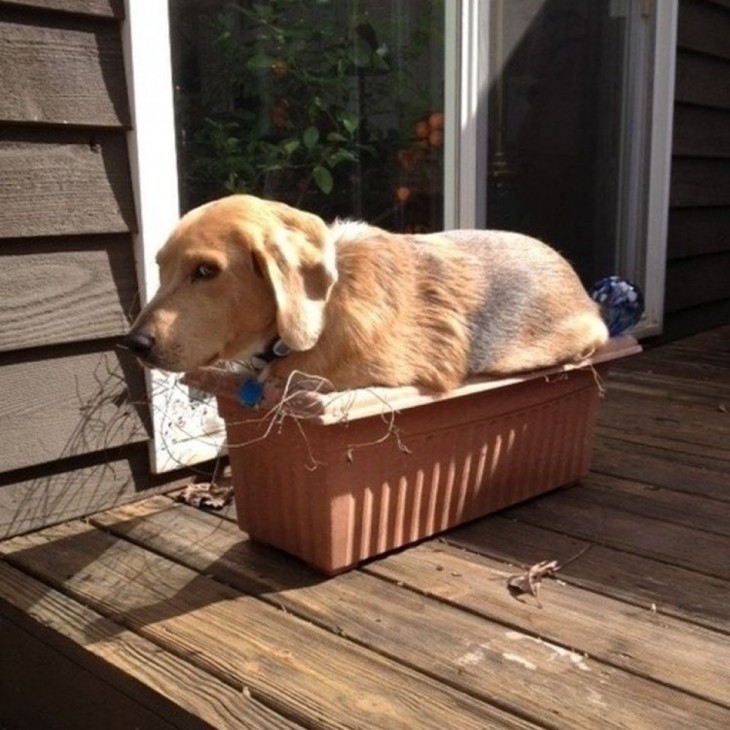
[[250, 393]]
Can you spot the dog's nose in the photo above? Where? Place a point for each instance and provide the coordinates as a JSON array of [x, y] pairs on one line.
[[140, 343]]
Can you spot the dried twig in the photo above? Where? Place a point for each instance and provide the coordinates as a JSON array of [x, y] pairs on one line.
[[529, 582], [598, 380], [286, 407]]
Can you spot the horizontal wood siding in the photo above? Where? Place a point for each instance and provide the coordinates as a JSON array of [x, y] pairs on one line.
[[61, 291], [69, 73], [55, 492], [698, 231], [700, 182], [73, 417], [698, 255], [698, 280], [701, 132], [702, 79], [68, 405], [96, 8], [715, 314], [704, 27], [64, 183]]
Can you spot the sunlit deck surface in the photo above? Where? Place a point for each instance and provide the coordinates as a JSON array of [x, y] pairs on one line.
[[158, 615]]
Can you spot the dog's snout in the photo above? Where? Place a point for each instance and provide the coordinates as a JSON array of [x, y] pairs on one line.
[[140, 343]]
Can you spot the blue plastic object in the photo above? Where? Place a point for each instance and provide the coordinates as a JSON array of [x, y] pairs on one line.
[[621, 303]]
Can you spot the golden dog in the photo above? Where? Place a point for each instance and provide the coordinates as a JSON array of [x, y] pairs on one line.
[[357, 305]]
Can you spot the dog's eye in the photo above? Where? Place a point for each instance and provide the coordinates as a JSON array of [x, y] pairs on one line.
[[204, 271]]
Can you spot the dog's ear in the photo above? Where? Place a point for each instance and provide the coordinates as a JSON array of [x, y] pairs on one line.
[[298, 257]]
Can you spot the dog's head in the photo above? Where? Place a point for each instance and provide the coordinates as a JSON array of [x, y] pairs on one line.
[[234, 275]]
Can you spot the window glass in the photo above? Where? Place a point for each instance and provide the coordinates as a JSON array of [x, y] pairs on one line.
[[559, 123], [334, 106]]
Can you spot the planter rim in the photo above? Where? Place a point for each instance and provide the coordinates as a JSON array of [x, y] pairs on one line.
[[335, 407]]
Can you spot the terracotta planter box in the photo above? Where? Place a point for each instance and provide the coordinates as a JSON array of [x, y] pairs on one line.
[[343, 477]]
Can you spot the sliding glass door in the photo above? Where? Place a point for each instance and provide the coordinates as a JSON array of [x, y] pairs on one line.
[[534, 115], [572, 88]]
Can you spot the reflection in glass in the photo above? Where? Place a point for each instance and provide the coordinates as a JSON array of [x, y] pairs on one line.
[[557, 104], [332, 106]]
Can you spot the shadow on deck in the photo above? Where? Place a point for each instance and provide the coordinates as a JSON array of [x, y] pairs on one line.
[[155, 615]]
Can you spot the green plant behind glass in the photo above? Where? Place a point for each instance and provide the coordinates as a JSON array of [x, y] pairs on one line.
[[296, 101]]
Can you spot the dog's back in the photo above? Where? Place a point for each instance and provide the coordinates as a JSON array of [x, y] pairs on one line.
[[534, 311]]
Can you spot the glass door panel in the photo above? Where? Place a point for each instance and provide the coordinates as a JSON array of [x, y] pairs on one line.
[[563, 113], [331, 106]]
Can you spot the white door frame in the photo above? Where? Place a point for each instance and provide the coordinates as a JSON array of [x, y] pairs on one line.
[[466, 66], [659, 156], [186, 428]]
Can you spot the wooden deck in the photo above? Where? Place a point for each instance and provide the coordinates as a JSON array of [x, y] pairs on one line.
[[157, 615]]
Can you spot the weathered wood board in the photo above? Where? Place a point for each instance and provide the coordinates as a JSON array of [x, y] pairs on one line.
[[690, 510], [663, 468], [291, 665], [182, 693], [58, 73], [583, 518], [101, 8], [75, 403], [635, 579], [58, 291], [379, 615], [65, 184]]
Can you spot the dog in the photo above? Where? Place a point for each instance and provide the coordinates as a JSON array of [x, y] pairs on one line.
[[357, 305]]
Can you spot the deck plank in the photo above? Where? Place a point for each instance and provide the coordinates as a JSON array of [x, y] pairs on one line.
[[667, 505], [700, 399], [682, 472], [631, 411], [652, 437], [571, 513], [713, 392], [290, 665], [669, 651], [178, 685], [701, 358], [27, 661], [631, 578], [483, 658]]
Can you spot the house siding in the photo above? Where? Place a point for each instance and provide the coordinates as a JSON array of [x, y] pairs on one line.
[[698, 255], [73, 418]]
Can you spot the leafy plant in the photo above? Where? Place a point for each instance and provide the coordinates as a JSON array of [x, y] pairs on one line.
[[296, 100]]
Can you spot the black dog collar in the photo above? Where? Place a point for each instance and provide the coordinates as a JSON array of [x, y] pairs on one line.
[[276, 350]]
